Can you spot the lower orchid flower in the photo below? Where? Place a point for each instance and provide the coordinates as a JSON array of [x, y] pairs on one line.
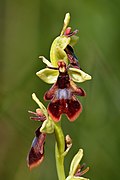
[[36, 153], [76, 170]]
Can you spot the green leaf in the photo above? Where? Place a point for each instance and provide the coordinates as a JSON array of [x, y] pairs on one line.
[[48, 75]]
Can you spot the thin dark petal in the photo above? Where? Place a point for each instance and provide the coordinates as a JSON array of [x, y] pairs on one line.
[[68, 32], [80, 173], [73, 33], [36, 153], [41, 119], [81, 170], [38, 115], [33, 113]]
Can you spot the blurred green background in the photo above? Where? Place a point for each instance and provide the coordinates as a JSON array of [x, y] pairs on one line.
[[27, 29]]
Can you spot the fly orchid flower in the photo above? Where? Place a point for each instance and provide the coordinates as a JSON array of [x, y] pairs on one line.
[[76, 170], [62, 96], [62, 49], [36, 153]]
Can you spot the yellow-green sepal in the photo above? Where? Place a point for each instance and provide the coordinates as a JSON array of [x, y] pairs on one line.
[[48, 75], [78, 75]]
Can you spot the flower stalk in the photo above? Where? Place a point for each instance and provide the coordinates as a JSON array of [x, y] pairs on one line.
[[59, 151]]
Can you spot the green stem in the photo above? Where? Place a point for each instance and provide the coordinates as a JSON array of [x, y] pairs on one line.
[[59, 150]]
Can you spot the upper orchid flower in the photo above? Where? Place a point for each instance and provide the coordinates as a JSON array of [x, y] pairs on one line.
[[58, 46], [62, 49]]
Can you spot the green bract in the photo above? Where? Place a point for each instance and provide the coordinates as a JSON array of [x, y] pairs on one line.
[[60, 43]]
